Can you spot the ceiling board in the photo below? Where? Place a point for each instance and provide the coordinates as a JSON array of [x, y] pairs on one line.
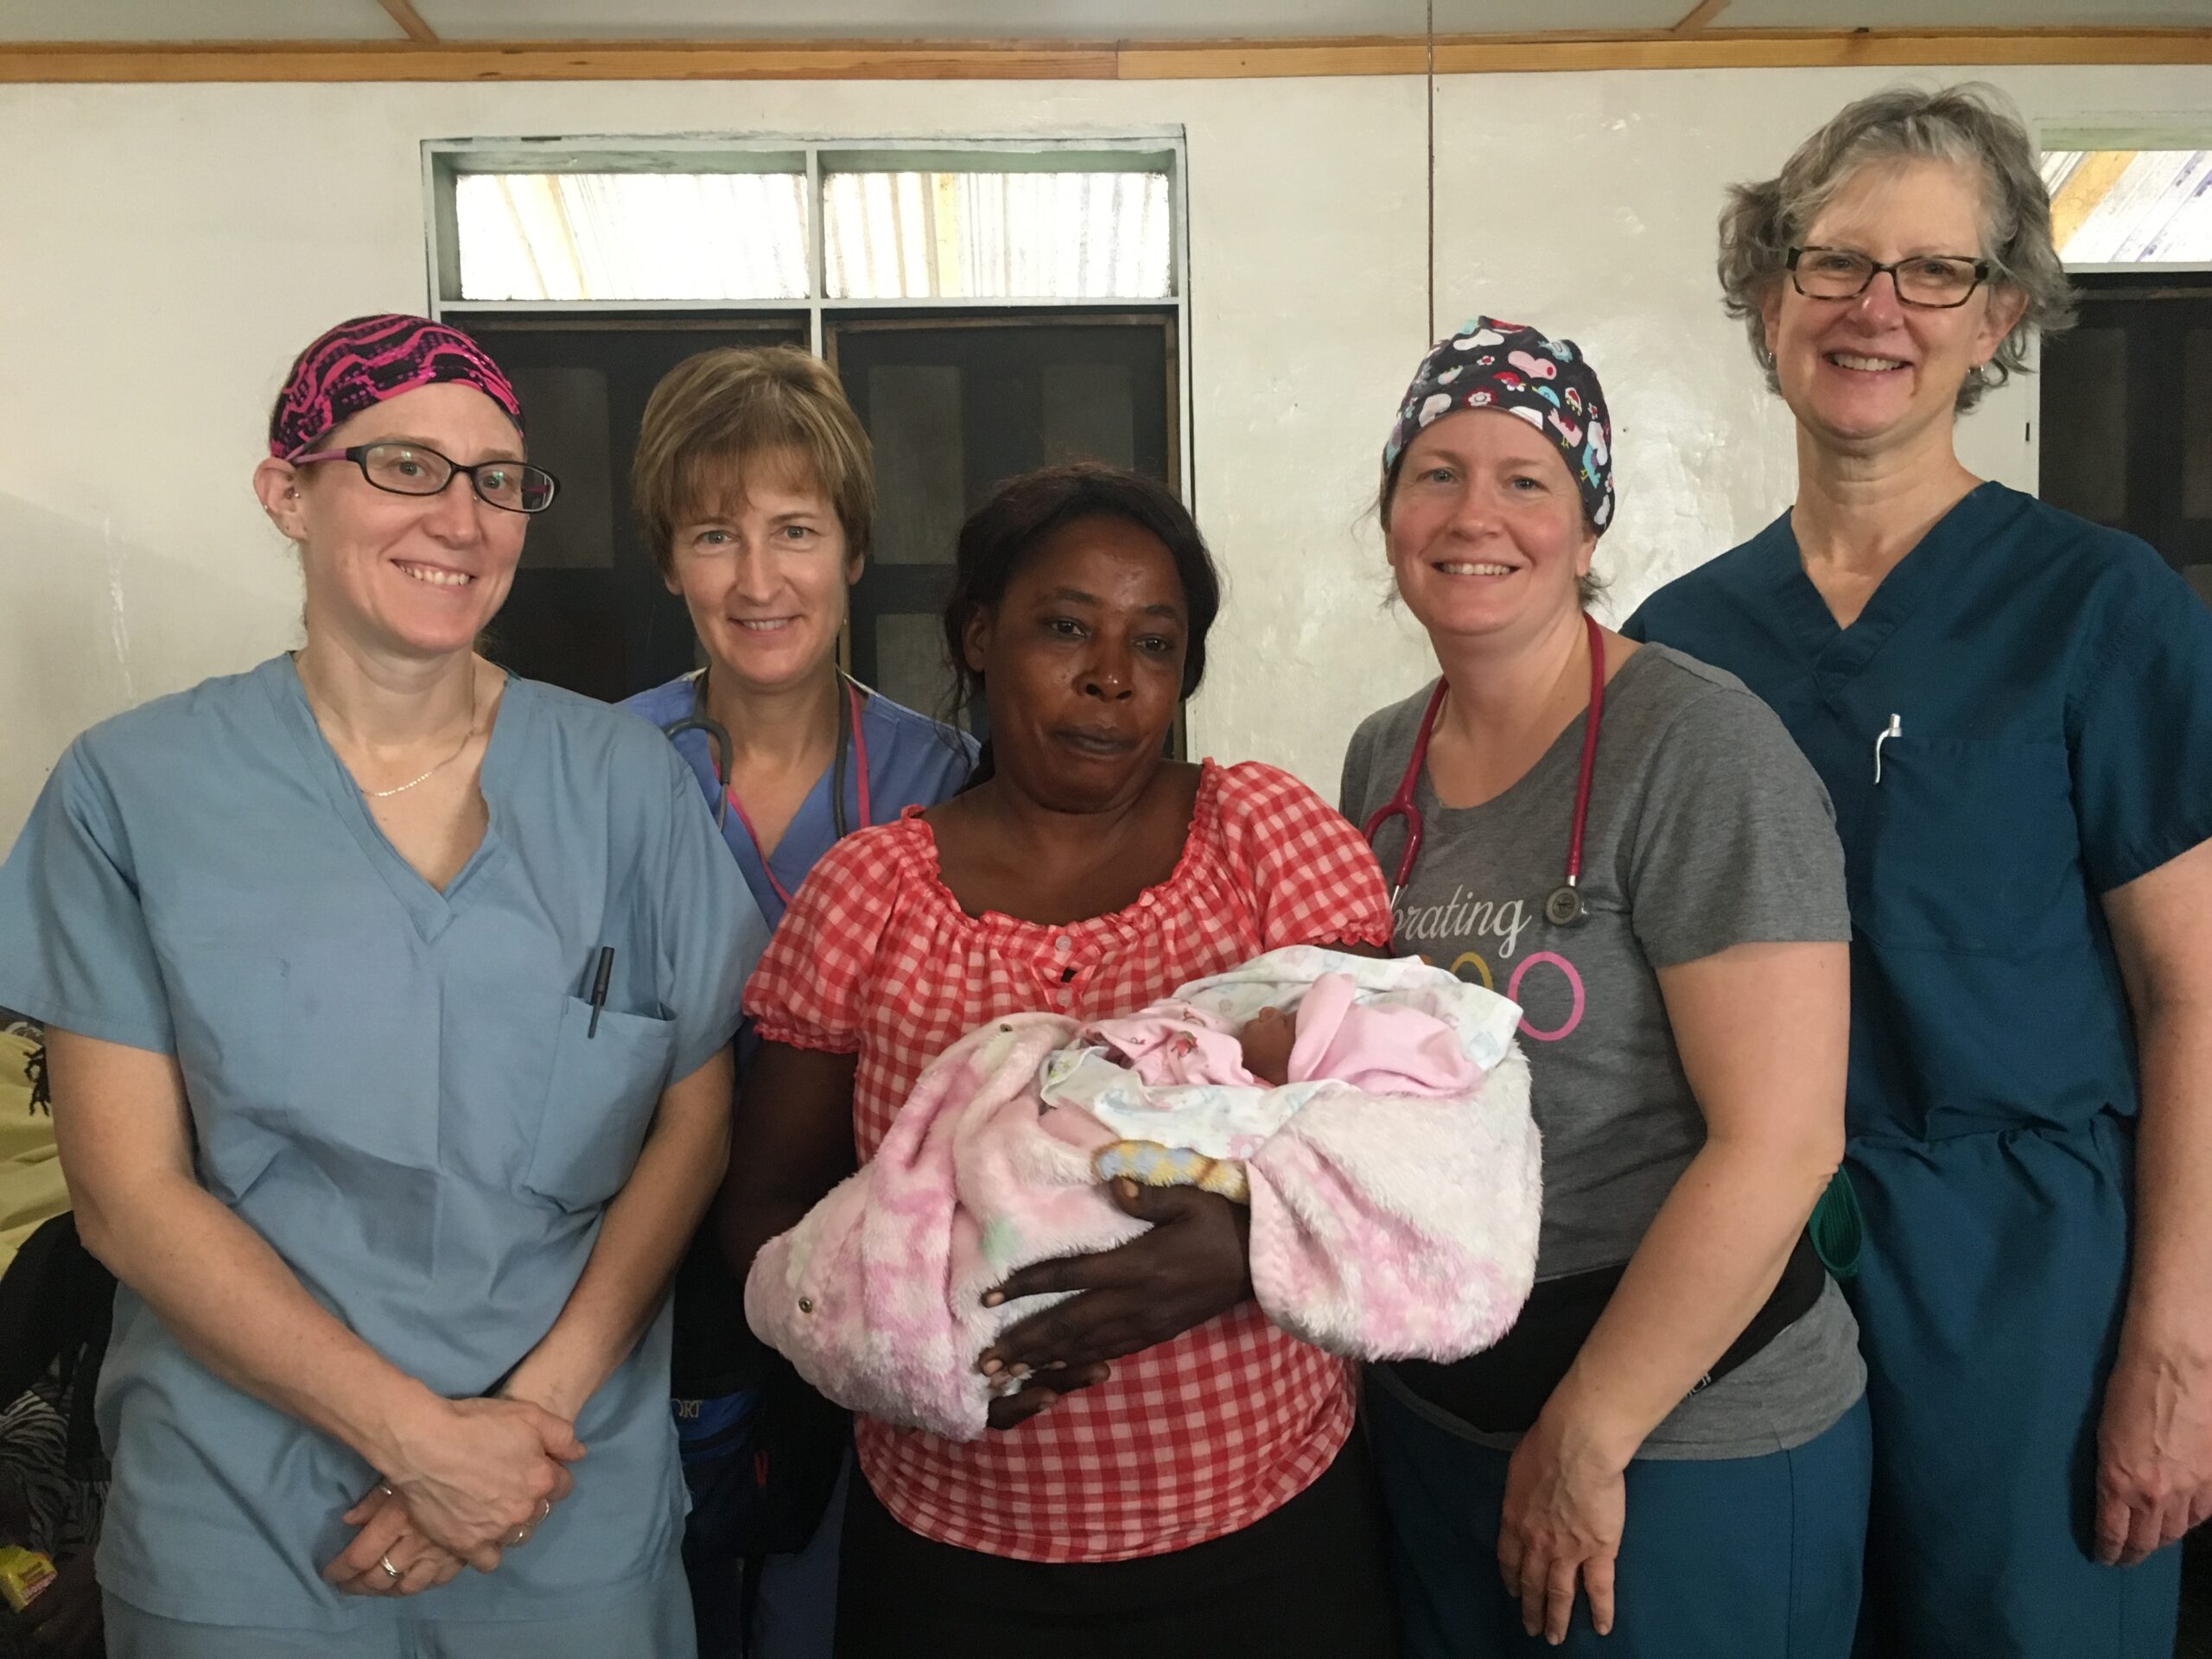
[[1967, 14], [919, 20], [1546, 16], [1094, 20], [196, 20], [955, 21]]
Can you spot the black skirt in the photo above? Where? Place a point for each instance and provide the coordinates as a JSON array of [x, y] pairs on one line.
[[1309, 1579]]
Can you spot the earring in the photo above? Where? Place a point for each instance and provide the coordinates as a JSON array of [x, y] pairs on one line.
[[291, 495]]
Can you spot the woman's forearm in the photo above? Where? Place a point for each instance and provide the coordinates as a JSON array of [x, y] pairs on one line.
[[790, 1141], [234, 1306], [642, 1237], [1712, 1257], [2171, 1277]]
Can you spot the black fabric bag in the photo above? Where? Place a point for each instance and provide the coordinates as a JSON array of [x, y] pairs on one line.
[[761, 1450]]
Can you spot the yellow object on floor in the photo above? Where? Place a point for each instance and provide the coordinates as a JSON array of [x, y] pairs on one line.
[[31, 1188], [23, 1573]]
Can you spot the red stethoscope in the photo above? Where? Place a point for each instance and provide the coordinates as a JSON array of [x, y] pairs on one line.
[[1564, 907], [852, 743]]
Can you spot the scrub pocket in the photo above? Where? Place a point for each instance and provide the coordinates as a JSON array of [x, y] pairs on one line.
[[598, 1103], [1972, 845]]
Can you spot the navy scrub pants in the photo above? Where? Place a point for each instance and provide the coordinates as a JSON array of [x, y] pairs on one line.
[[1745, 1558]]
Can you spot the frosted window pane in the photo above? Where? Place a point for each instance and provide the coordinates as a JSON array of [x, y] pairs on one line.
[[2130, 207], [996, 236], [632, 236]]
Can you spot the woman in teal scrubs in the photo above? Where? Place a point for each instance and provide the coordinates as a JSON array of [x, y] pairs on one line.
[[388, 1003], [2013, 711]]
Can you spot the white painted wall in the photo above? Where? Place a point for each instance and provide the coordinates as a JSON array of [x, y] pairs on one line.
[[164, 251]]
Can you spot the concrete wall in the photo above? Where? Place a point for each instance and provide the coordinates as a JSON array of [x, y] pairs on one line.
[[167, 249]]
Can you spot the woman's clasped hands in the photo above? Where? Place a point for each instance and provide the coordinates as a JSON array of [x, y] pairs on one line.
[[471, 1479]]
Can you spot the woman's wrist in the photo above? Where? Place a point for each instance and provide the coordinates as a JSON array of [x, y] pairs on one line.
[[1589, 1430], [410, 1415], [534, 1384]]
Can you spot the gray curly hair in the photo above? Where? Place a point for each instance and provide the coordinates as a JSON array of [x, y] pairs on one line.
[[1972, 125]]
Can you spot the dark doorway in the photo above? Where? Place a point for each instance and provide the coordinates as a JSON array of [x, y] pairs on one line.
[[2127, 414], [588, 610], [954, 405]]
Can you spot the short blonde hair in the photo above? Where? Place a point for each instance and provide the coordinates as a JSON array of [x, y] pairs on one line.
[[713, 416], [1970, 125]]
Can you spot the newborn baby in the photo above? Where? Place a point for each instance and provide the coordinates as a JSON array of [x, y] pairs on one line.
[[1211, 1090]]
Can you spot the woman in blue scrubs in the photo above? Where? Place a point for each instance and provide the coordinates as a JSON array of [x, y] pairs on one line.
[[757, 490], [2013, 711], [388, 1003]]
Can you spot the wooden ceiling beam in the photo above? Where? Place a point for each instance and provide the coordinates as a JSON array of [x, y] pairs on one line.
[[411, 24], [1701, 16], [449, 60]]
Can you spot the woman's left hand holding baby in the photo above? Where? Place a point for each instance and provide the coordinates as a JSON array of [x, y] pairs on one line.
[[1189, 1267]]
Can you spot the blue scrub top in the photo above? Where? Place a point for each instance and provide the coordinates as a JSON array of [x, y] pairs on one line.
[[2053, 680], [395, 1087], [913, 760]]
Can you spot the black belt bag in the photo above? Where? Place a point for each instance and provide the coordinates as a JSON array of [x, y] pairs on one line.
[[1502, 1390]]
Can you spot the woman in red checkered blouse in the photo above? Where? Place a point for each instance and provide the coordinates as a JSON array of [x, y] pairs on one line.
[[1175, 1473]]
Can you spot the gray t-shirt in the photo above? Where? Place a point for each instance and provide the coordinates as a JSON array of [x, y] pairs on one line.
[[1708, 829]]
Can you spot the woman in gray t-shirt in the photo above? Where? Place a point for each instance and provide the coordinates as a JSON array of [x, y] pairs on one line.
[[1671, 1444]]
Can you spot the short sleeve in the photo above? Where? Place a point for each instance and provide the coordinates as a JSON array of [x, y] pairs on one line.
[[1314, 881], [1734, 841], [711, 931], [811, 988], [2139, 728], [77, 954]]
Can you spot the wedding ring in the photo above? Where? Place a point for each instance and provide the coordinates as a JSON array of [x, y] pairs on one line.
[[391, 1571]]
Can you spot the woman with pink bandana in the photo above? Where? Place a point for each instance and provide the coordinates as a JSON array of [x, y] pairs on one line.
[[388, 1003]]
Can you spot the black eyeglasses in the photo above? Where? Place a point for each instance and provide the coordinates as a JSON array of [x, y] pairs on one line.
[[411, 469], [1933, 282]]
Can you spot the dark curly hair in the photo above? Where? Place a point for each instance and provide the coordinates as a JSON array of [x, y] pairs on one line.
[[1001, 535]]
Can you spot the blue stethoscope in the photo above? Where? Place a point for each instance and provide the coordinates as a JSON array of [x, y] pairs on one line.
[[852, 746], [1564, 907]]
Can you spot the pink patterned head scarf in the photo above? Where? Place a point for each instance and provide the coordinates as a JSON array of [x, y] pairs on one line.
[[364, 361]]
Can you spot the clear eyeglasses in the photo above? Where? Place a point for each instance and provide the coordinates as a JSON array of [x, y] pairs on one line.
[[1936, 281], [413, 469]]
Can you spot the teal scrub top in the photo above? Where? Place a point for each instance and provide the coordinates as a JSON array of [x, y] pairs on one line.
[[913, 760], [397, 1088], [2052, 682]]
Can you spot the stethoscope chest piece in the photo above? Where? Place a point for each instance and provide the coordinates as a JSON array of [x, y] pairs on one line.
[[1564, 907]]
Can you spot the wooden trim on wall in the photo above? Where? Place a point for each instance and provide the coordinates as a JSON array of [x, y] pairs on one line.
[[448, 60]]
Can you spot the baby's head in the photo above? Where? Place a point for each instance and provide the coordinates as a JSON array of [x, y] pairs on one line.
[[1268, 1037]]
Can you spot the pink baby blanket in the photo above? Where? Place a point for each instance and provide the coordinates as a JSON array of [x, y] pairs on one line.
[[1383, 1225]]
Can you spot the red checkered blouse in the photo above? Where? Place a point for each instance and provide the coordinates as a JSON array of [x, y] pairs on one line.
[[1205, 1433]]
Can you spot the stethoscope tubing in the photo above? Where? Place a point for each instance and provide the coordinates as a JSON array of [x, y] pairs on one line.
[[1566, 897], [852, 746]]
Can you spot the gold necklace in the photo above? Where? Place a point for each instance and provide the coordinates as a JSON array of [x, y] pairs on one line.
[[466, 738]]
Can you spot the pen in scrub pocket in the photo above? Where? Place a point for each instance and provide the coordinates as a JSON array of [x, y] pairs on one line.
[[599, 978]]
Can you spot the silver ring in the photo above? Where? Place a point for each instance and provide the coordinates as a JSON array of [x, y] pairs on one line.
[[391, 1571]]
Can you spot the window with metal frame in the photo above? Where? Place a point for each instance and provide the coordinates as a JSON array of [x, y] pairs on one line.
[[991, 307], [2126, 430]]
